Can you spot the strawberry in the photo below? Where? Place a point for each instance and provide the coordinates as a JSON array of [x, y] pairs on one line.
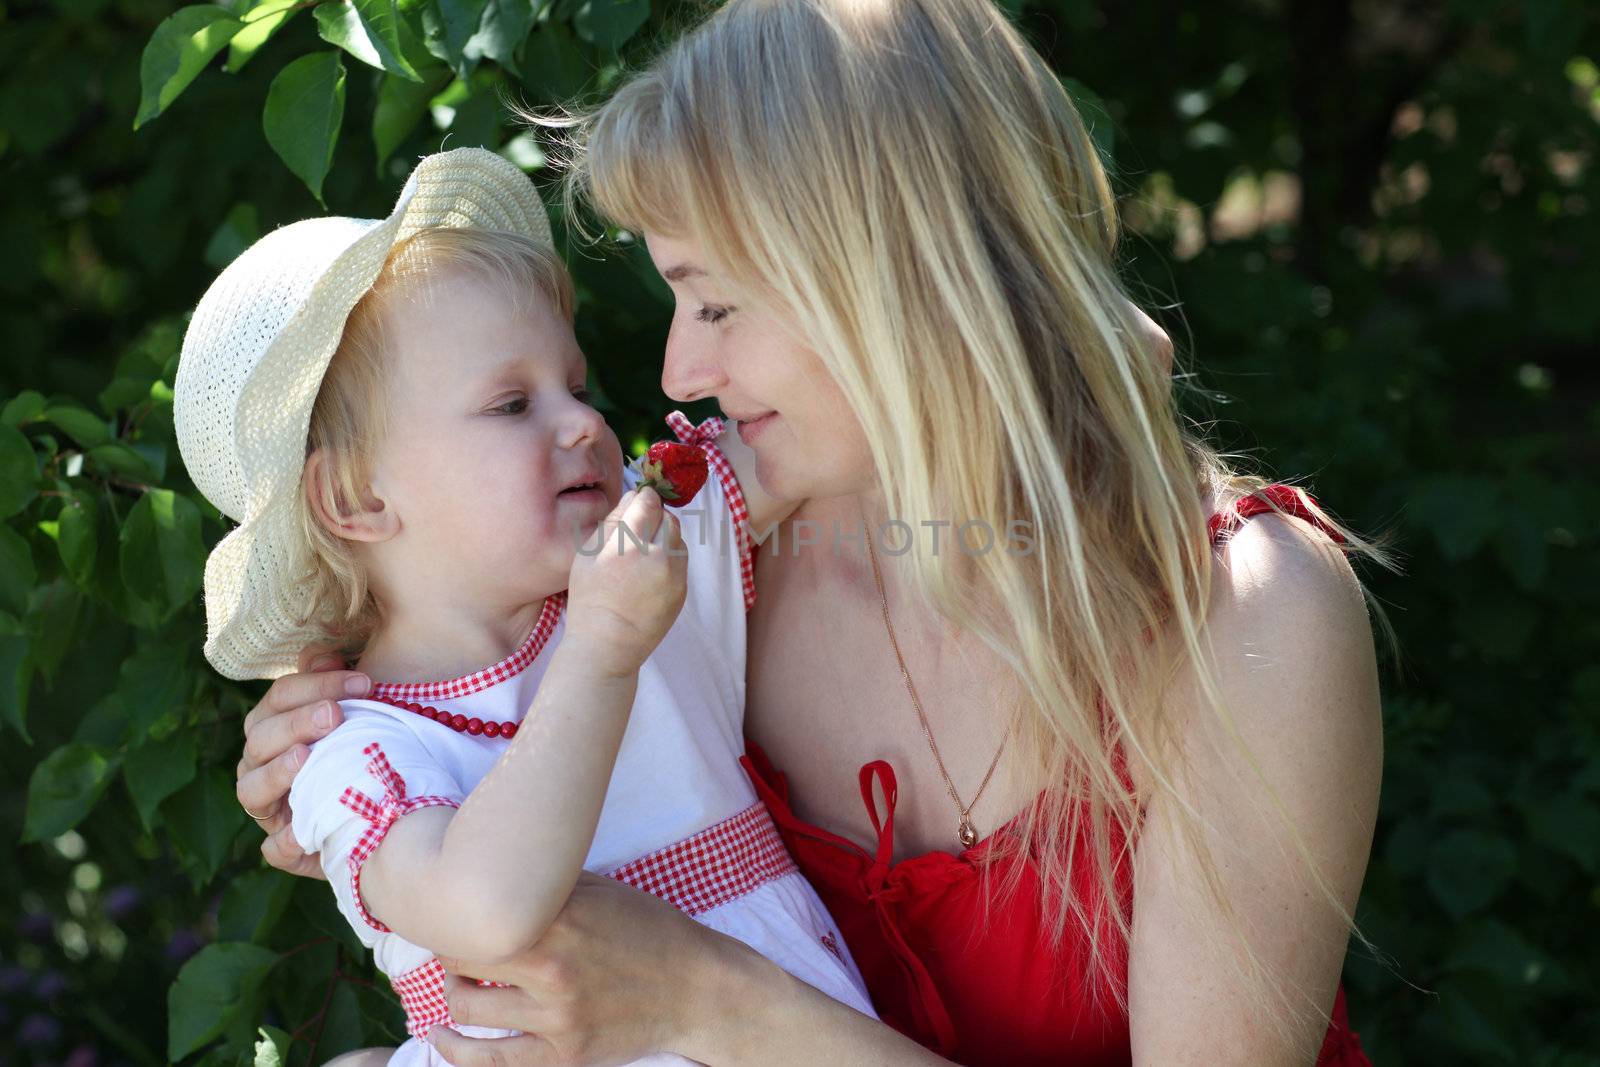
[[675, 471]]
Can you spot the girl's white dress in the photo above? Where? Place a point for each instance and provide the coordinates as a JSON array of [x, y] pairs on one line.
[[680, 819]]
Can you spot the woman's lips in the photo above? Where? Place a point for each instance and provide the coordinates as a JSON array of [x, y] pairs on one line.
[[750, 432]]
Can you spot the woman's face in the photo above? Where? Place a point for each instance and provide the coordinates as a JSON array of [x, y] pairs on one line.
[[789, 410]]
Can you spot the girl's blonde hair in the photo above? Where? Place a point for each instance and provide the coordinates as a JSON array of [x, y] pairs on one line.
[[349, 418], [907, 183]]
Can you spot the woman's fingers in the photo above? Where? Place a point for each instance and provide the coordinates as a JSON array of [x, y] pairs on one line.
[[272, 738], [528, 1050], [263, 791], [507, 1008], [294, 691], [282, 851]]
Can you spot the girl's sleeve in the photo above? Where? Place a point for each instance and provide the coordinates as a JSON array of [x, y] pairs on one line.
[[357, 782]]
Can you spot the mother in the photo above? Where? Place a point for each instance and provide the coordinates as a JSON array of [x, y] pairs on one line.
[[892, 248]]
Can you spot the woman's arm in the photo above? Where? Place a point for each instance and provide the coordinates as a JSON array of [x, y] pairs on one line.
[[621, 974], [1294, 652]]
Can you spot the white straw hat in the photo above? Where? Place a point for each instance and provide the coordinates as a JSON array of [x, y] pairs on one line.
[[252, 364]]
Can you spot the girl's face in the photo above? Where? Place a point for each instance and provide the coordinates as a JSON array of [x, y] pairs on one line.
[[789, 410], [489, 423]]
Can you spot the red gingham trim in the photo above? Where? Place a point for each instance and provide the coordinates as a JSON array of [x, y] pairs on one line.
[[381, 814], [507, 668], [705, 436], [1288, 498], [421, 991], [716, 865]]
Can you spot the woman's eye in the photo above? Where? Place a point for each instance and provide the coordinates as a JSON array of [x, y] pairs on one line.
[[711, 314], [584, 396]]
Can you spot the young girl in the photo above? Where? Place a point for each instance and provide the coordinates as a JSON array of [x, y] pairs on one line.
[[394, 412]]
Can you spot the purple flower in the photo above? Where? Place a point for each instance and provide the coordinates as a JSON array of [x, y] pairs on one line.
[[50, 985], [83, 1056], [12, 979], [184, 943], [38, 1030], [120, 901], [36, 926]]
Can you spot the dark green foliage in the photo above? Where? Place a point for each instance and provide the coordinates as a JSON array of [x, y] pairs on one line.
[[1372, 228]]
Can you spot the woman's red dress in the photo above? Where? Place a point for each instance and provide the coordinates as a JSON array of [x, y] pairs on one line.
[[980, 989]]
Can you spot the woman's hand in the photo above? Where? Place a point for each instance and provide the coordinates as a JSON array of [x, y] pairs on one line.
[[297, 710], [618, 975]]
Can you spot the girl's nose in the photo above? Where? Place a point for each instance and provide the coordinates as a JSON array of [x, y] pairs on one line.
[[583, 425]]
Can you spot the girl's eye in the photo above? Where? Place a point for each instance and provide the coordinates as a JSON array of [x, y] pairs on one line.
[[515, 406], [712, 314]]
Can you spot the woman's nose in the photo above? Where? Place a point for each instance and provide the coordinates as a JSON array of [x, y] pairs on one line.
[[691, 368]]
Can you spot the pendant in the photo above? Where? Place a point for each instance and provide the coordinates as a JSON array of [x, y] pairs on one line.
[[968, 835]]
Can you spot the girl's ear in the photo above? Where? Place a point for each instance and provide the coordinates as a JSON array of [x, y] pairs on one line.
[[344, 510]]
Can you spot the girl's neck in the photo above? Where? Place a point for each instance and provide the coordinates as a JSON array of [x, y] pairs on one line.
[[437, 644]]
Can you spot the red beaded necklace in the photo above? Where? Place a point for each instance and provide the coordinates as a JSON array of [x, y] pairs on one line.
[[456, 721]]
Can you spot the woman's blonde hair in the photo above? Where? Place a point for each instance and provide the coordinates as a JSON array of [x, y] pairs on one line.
[[909, 185], [349, 418]]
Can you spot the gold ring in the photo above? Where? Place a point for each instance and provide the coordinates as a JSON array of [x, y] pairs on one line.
[[253, 815]]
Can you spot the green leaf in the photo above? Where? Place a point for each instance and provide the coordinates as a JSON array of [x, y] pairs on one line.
[[162, 555], [24, 407], [156, 770], [401, 105], [19, 472], [219, 985], [305, 107], [116, 458], [504, 26], [554, 63], [447, 26], [84, 426], [609, 23], [253, 904], [1460, 511], [203, 818], [78, 538], [17, 574], [237, 232], [260, 24], [368, 30], [63, 789], [179, 49], [16, 672], [53, 609], [1467, 870], [154, 684]]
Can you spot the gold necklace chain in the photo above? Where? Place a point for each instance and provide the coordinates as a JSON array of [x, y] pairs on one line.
[[965, 832]]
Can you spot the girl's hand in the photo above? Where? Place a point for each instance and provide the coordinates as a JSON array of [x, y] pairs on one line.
[[297, 710], [618, 975], [628, 585]]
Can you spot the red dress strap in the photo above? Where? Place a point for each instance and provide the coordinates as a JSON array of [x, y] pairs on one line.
[[1287, 498]]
